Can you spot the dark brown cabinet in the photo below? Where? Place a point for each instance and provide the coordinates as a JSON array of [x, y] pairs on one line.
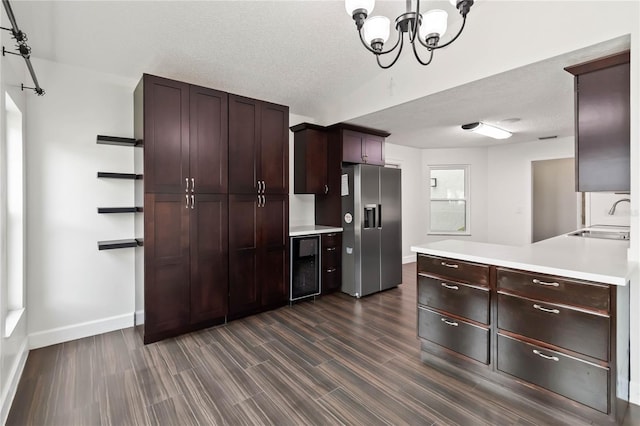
[[185, 255], [359, 147], [331, 262], [602, 99], [258, 253], [258, 147], [258, 205], [564, 341], [310, 159], [454, 306]]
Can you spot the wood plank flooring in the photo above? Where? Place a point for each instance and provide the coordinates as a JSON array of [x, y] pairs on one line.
[[336, 360]]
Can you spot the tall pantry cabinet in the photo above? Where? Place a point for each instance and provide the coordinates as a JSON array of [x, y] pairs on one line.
[[258, 205], [197, 150]]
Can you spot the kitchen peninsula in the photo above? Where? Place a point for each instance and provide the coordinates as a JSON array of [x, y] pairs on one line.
[[549, 320]]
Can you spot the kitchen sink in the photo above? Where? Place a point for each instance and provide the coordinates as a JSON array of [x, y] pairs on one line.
[[607, 235]]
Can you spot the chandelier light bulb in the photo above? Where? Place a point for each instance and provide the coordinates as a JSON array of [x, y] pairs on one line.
[[376, 30], [353, 5], [434, 24]]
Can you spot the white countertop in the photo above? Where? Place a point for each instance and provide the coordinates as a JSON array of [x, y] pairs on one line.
[[589, 259], [296, 231]]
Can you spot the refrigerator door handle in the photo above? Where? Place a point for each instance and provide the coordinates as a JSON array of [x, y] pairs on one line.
[[379, 216]]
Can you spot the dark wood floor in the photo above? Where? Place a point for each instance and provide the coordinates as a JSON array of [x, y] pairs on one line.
[[337, 360]]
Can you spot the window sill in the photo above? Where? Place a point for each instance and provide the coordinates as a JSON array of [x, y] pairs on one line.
[[11, 321]]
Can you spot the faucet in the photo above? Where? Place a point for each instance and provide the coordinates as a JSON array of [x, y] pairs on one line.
[[613, 207]]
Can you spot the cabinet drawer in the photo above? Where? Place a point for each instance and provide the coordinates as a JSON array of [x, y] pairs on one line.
[[578, 380], [460, 299], [578, 331], [459, 336], [331, 279], [333, 239], [555, 289], [457, 270]]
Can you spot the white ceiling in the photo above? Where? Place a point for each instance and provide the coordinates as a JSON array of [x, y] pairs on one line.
[[303, 53]]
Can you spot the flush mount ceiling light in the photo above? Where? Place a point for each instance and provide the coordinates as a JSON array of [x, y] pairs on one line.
[[426, 28], [487, 130]]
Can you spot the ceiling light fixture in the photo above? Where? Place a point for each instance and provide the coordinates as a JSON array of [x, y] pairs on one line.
[[427, 28], [487, 130]]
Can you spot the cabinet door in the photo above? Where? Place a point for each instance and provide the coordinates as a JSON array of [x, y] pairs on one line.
[[351, 146], [166, 251], [274, 148], [274, 245], [209, 257], [208, 137], [244, 147], [373, 150], [310, 162], [166, 133], [244, 293], [603, 125]]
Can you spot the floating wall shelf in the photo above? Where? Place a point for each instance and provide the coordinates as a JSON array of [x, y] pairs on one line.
[[114, 140], [117, 244], [119, 209], [110, 175]]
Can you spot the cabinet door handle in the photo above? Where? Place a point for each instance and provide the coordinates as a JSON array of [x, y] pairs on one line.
[[186, 184], [264, 187], [451, 323], [331, 249], [259, 201], [537, 281], [264, 201], [186, 197], [549, 357], [451, 287], [193, 201], [331, 270], [258, 185], [449, 265], [543, 309], [326, 189], [193, 184]]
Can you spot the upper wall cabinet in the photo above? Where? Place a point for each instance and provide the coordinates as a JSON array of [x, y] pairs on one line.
[[361, 145], [185, 131], [258, 147], [602, 124], [310, 159]]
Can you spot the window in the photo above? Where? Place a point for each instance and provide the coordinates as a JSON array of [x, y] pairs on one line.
[[449, 200], [15, 215]]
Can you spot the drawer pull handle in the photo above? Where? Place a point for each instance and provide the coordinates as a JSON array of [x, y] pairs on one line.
[[449, 265], [331, 270], [451, 323], [543, 309], [549, 357], [450, 287], [331, 248], [537, 281]]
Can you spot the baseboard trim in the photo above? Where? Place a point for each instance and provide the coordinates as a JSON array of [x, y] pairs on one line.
[[409, 259], [53, 336], [14, 380], [634, 392], [139, 317]]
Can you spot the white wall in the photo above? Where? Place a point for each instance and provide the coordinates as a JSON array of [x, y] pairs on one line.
[[410, 161], [14, 348], [598, 205], [509, 182], [476, 158], [74, 290]]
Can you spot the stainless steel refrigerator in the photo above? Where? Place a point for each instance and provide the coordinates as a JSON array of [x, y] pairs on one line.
[[372, 229]]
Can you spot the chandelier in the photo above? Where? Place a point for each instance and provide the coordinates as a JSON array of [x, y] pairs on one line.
[[426, 28]]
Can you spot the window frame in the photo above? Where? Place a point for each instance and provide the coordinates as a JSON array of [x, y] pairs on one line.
[[467, 197]]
